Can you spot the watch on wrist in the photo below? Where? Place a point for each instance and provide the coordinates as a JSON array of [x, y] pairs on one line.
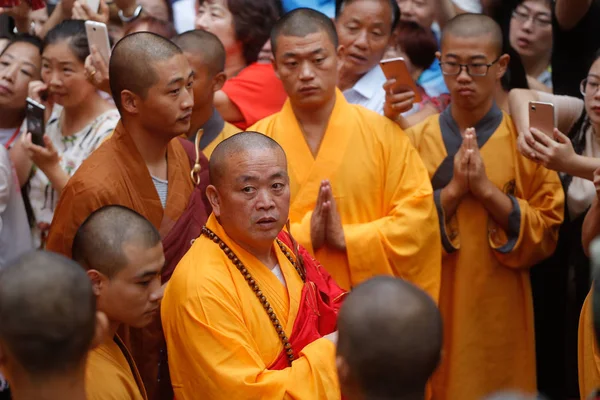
[[136, 13]]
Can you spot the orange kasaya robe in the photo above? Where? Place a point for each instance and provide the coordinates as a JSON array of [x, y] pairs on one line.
[[111, 373], [589, 357], [485, 295], [381, 189], [116, 174], [221, 342]]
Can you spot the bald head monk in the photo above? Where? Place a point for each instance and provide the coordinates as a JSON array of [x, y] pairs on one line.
[[123, 256], [206, 55], [499, 215], [248, 313], [49, 322], [390, 340], [357, 185], [144, 166]]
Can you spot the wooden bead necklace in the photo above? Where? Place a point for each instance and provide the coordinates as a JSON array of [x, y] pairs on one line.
[[256, 289]]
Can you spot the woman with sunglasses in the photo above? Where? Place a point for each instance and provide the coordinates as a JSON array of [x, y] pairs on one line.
[[576, 156]]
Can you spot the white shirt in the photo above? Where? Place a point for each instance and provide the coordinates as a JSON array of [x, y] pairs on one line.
[[368, 91], [73, 150], [470, 6], [279, 274]]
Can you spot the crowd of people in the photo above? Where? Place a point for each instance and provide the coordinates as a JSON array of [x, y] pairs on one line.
[[240, 204]]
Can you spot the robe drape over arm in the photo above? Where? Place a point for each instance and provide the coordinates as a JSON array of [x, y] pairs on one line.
[[589, 357], [220, 340], [382, 192]]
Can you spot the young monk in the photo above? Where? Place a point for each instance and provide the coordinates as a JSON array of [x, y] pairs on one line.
[[123, 256], [49, 323], [248, 314], [142, 168], [358, 187], [385, 351], [206, 55], [499, 215]]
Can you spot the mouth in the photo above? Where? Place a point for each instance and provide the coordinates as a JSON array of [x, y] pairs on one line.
[[186, 118], [358, 59], [266, 222], [465, 91], [522, 42], [308, 89], [152, 312], [5, 90], [595, 109]]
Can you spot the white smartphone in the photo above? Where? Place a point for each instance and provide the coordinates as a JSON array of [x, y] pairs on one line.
[[97, 35], [94, 5]]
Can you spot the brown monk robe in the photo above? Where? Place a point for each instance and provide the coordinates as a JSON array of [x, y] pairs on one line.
[[144, 167]]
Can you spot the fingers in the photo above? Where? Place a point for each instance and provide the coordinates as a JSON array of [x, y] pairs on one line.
[[320, 201], [541, 138], [524, 148], [560, 137]]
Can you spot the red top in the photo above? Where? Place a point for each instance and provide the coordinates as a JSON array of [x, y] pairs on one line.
[[257, 92]]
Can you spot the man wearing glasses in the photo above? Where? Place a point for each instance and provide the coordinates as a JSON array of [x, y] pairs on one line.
[[499, 214]]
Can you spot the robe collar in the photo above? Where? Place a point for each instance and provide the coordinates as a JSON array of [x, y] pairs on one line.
[[211, 129]]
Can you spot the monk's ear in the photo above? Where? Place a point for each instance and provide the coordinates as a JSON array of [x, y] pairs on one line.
[[218, 81], [343, 371], [129, 102], [502, 65], [99, 281], [213, 198], [101, 329]]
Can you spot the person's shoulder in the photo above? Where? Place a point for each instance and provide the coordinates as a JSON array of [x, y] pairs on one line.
[[264, 125], [106, 379], [378, 126]]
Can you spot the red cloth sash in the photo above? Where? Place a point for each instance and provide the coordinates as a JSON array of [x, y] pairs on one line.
[[188, 227], [319, 306]]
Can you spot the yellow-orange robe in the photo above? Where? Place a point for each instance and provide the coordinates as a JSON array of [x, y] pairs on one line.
[[381, 189], [111, 374], [589, 357], [485, 296], [116, 174], [220, 339]]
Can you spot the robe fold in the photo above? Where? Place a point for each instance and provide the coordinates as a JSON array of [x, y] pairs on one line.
[[589, 357], [381, 189], [111, 373], [116, 174], [485, 296], [220, 339]]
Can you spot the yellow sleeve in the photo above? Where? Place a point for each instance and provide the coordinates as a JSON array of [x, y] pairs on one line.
[[405, 242], [538, 211], [213, 355], [589, 362]]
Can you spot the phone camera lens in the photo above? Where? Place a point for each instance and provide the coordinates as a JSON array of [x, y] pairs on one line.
[[533, 108]]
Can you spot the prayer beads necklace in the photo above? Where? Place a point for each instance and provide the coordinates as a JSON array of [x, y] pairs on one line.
[[254, 286]]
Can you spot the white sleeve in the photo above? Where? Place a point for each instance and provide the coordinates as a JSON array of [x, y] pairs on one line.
[[471, 6]]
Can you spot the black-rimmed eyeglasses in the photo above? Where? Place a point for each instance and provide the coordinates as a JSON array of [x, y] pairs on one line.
[[451, 68]]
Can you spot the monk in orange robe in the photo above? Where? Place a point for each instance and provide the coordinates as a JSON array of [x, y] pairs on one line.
[[142, 167], [206, 55], [499, 215], [248, 314], [589, 355], [361, 199], [123, 255]]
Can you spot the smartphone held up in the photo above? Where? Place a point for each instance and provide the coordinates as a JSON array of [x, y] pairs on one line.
[[395, 68], [97, 34], [541, 117], [35, 121]]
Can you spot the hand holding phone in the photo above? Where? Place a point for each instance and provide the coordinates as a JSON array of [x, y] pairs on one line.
[[395, 68], [97, 35], [35, 115]]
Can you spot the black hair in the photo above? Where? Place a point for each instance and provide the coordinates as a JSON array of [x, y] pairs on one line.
[[73, 32], [340, 4], [24, 38]]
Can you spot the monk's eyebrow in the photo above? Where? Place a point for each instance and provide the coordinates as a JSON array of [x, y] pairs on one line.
[[148, 274]]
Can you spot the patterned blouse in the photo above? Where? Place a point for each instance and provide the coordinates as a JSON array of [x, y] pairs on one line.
[[73, 150]]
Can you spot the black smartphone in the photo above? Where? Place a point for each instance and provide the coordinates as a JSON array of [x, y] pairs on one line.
[[35, 121]]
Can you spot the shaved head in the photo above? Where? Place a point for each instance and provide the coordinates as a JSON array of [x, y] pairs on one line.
[[206, 45], [302, 22], [390, 337], [47, 314], [236, 144], [133, 60], [100, 240], [474, 26]]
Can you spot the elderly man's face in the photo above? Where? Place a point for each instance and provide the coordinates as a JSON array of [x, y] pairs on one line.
[[253, 196]]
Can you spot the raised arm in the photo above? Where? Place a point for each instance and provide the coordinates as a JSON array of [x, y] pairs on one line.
[[570, 12]]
